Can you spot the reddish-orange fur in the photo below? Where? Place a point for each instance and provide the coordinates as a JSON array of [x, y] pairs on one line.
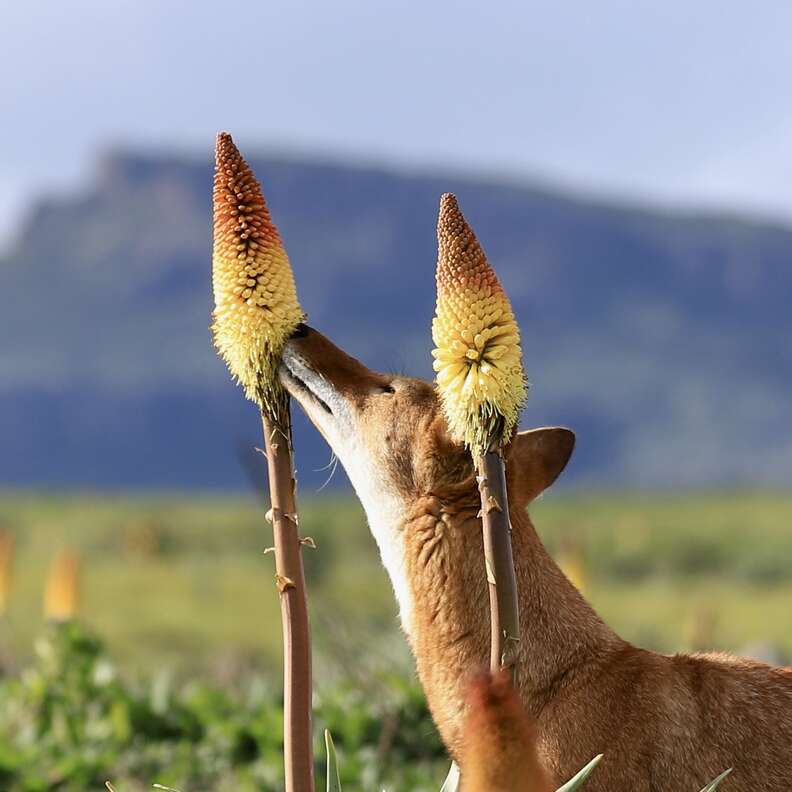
[[499, 746], [665, 724]]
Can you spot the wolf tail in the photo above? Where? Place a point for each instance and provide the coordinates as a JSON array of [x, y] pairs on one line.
[[499, 752]]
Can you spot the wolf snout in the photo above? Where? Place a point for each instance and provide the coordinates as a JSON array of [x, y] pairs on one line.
[[294, 347], [291, 359], [301, 331]]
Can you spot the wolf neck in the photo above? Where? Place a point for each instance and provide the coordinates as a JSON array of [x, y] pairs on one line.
[[385, 513], [438, 575]]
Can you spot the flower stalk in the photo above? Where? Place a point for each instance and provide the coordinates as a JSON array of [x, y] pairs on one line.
[[290, 581], [256, 311], [481, 384]]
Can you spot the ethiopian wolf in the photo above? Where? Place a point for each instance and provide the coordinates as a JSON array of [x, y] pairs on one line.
[[665, 724]]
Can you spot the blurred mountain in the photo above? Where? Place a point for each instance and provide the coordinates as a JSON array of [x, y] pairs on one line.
[[663, 339]]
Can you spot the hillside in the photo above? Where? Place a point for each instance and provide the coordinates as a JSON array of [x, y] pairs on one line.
[[662, 338]]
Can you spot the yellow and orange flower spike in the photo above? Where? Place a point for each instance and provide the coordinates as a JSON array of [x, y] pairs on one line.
[[478, 360], [256, 308]]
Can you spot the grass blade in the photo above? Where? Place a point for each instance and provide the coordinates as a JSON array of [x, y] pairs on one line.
[[713, 785], [451, 784], [577, 781], [333, 777]]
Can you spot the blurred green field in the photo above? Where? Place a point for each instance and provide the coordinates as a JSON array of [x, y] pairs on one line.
[[182, 583]]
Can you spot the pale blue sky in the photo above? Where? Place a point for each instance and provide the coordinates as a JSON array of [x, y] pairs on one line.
[[671, 101]]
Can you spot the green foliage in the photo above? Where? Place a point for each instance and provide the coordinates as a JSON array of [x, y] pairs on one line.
[[158, 574], [69, 722], [645, 568]]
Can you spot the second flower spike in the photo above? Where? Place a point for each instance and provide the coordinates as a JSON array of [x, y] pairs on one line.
[[478, 359]]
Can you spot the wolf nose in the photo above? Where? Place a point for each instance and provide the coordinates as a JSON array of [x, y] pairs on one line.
[[301, 331]]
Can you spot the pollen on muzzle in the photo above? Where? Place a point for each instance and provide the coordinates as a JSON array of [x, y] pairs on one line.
[[256, 307], [477, 355]]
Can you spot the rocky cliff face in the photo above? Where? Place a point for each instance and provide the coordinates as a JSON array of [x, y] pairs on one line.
[[664, 340]]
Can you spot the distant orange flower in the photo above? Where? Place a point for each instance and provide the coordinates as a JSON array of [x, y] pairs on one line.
[[61, 591], [256, 307], [6, 554]]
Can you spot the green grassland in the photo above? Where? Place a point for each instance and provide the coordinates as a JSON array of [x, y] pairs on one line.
[[182, 685], [183, 582]]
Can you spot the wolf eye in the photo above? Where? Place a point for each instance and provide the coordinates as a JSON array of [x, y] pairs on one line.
[[388, 389]]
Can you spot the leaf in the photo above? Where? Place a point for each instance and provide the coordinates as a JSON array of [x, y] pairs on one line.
[[451, 784], [333, 778], [713, 785], [578, 780]]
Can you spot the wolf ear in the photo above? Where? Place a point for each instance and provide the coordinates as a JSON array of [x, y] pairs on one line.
[[535, 459]]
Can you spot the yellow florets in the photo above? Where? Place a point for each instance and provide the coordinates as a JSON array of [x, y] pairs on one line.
[[478, 359], [256, 308]]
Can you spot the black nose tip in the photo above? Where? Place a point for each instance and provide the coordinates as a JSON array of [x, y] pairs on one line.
[[301, 330]]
